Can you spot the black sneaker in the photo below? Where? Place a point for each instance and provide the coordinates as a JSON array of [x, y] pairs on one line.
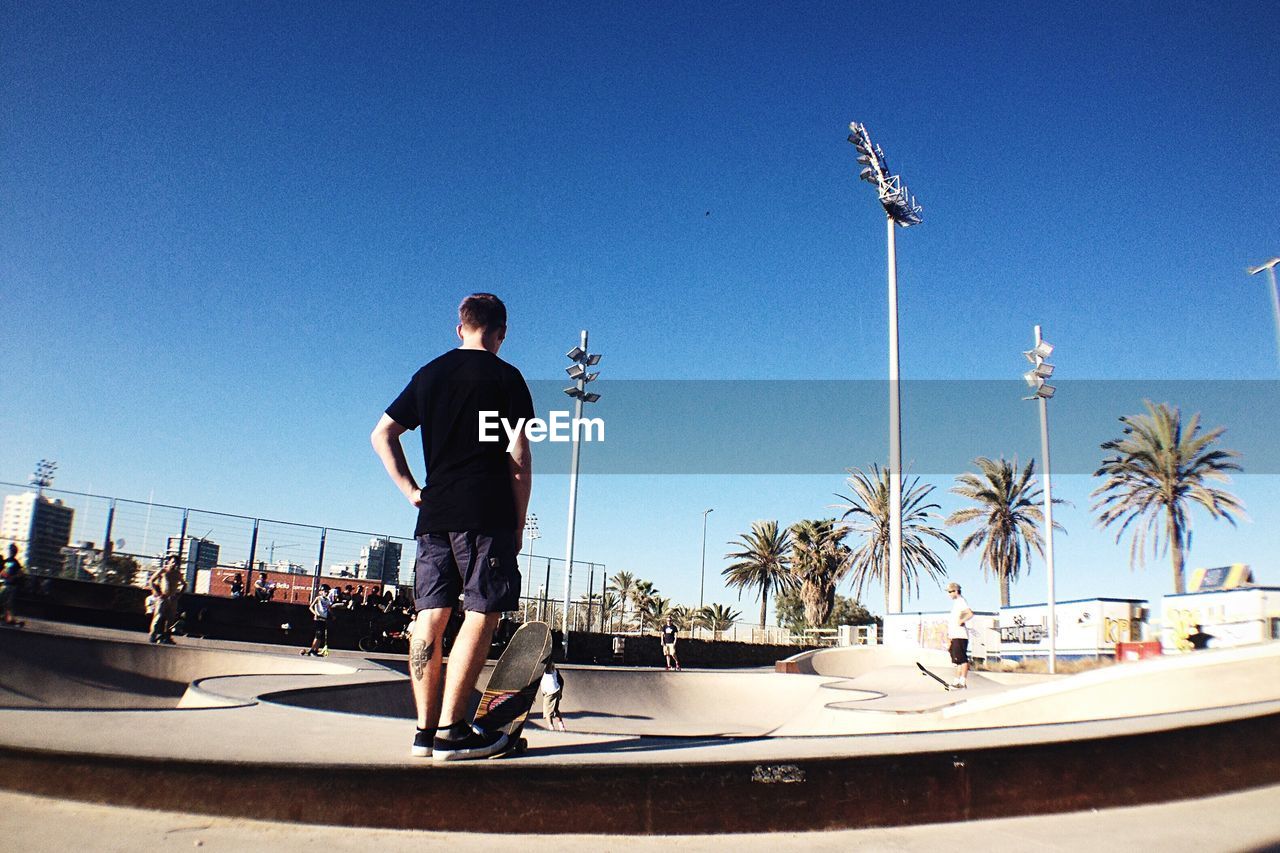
[[474, 744], [422, 744]]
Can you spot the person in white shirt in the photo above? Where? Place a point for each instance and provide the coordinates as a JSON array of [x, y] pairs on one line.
[[552, 690], [320, 608], [959, 634]]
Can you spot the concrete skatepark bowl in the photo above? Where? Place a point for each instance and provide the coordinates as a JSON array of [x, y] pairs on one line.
[[848, 738]]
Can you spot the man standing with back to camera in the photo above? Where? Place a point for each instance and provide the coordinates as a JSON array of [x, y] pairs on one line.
[[470, 519]]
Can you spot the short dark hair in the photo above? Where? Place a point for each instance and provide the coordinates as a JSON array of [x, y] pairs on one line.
[[482, 311]]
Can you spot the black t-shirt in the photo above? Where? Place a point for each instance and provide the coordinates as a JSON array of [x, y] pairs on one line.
[[468, 481], [668, 633]]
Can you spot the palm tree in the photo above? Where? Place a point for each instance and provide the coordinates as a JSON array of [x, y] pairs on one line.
[[641, 595], [609, 607], [1161, 468], [763, 562], [869, 508], [654, 612], [717, 617], [623, 584], [819, 560], [1008, 509], [683, 617]]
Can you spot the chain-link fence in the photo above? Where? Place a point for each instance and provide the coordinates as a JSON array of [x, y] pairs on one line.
[[120, 541]]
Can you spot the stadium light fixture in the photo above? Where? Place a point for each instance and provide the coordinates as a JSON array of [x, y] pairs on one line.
[[900, 209]]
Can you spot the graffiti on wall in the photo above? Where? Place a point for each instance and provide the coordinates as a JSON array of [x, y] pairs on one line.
[[1022, 631], [1117, 630], [1213, 620]]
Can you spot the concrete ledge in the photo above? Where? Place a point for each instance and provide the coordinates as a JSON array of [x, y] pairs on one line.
[[682, 798]]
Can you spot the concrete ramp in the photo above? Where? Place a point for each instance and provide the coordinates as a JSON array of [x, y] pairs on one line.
[[701, 703], [40, 670], [610, 700], [1164, 685], [905, 689], [852, 661]]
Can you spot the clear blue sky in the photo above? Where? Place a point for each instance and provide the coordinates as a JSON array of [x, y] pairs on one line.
[[231, 231]]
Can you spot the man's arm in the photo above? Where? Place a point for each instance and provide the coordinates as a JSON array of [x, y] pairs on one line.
[[521, 461], [386, 443]]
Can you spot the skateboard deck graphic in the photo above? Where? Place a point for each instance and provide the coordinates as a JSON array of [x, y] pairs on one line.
[[934, 676], [513, 687]]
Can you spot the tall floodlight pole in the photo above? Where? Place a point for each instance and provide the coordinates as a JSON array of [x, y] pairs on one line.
[[901, 209], [1270, 267], [578, 391], [702, 575], [1035, 377]]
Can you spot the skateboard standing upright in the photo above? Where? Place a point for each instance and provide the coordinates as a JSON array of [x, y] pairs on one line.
[[934, 676], [513, 686]]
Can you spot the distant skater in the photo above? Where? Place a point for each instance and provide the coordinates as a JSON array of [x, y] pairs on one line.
[[1199, 639], [959, 634], [11, 576], [236, 582], [263, 588], [669, 635], [552, 691], [321, 606], [166, 585], [470, 519]]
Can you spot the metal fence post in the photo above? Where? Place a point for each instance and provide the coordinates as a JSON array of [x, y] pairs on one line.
[[182, 542], [546, 588], [253, 544], [106, 537], [315, 582]]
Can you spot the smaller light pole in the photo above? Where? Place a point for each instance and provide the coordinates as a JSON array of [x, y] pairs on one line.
[[1035, 377], [702, 575], [578, 391], [1270, 267], [532, 532]]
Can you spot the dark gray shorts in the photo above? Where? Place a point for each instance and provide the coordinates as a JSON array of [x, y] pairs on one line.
[[959, 651], [479, 566]]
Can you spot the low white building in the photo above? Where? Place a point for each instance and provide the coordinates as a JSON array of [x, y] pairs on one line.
[[1233, 617], [928, 630], [1086, 628]]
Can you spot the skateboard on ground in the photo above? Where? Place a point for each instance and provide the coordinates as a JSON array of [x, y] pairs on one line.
[[934, 676], [513, 687]]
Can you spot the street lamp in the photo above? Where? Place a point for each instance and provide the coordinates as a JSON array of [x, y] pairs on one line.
[[1270, 267], [702, 576], [1035, 378], [900, 208], [531, 530], [578, 391]]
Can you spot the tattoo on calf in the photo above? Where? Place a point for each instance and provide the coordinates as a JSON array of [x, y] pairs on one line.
[[420, 653]]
